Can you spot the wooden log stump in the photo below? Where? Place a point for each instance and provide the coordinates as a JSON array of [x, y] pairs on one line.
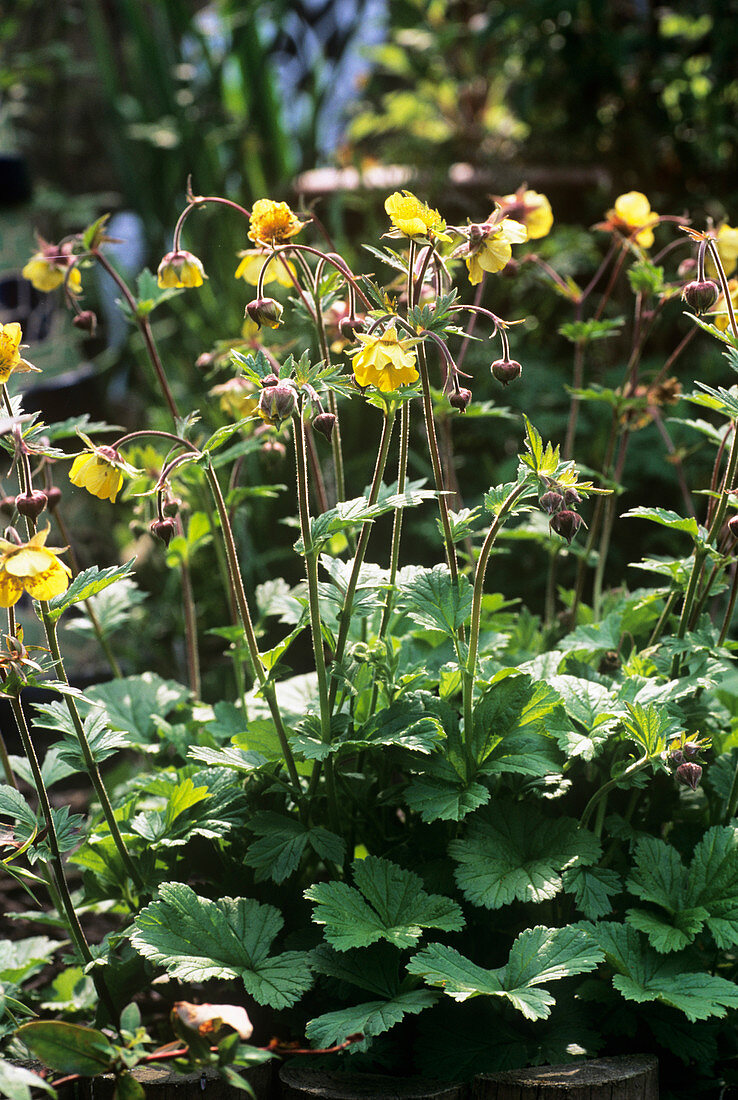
[[160, 1083], [630, 1077], [299, 1083]]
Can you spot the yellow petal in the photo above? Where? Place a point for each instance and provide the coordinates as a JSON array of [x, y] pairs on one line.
[[11, 589], [51, 583]]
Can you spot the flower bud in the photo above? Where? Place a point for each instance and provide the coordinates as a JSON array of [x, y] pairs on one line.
[[53, 497], [163, 529], [676, 756], [551, 502], [733, 526], [180, 269], [349, 326], [31, 504], [701, 294], [265, 311], [460, 399], [566, 523], [689, 774], [205, 361], [324, 423], [571, 496], [687, 268], [506, 370], [7, 506], [277, 402], [170, 507], [691, 748], [86, 320]]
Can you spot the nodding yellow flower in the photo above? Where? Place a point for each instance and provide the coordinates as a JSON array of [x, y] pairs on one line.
[[726, 239], [384, 361], [31, 567], [238, 397], [252, 264], [412, 218], [100, 470], [632, 212], [46, 270], [180, 269], [273, 222], [530, 209], [10, 351], [489, 245]]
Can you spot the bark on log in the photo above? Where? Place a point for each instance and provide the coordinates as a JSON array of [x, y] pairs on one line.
[[631, 1077], [299, 1083]]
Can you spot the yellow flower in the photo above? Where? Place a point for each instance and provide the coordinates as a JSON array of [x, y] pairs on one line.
[[10, 351], [180, 269], [412, 218], [530, 209], [238, 397], [384, 361], [719, 315], [273, 222], [726, 239], [632, 212], [100, 470], [46, 272], [490, 246], [31, 567], [252, 264]]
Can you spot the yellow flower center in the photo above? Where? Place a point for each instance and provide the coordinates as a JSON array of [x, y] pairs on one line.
[[273, 222]]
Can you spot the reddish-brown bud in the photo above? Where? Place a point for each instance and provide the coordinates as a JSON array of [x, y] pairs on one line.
[[164, 529], [701, 294], [277, 402], [460, 399], [53, 497], [571, 496], [566, 523], [733, 526], [86, 320], [551, 502], [7, 506], [31, 504], [676, 756], [691, 748], [349, 326], [265, 311], [689, 774], [325, 423], [506, 370]]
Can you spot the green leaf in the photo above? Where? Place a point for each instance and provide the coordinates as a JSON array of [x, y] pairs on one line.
[[194, 939], [666, 518], [444, 795], [539, 955], [435, 601], [89, 583], [282, 841], [642, 975], [581, 332], [388, 903], [372, 1018], [592, 888], [513, 727], [512, 852], [541, 460], [68, 1048], [16, 1082], [20, 959], [133, 703]]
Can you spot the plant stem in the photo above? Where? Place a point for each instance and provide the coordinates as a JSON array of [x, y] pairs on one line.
[[73, 924], [144, 327], [399, 513], [430, 428], [90, 762], [5, 760], [636, 766], [345, 615], [236, 580], [469, 672]]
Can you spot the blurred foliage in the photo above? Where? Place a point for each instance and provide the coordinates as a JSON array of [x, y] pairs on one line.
[[647, 91]]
